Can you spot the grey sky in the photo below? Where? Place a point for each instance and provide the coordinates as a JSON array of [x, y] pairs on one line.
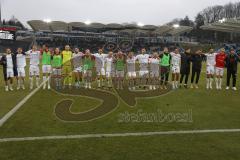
[[106, 11]]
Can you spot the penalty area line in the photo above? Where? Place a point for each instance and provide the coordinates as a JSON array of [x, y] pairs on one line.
[[137, 134], [19, 105]]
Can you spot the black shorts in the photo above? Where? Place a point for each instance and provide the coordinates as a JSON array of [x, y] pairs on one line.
[[165, 69]]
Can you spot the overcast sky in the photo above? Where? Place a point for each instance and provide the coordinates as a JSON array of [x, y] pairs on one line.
[[155, 12]]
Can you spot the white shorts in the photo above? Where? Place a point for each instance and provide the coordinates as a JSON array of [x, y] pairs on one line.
[[46, 69], [101, 71], [21, 72], [78, 69], [175, 69], [143, 73], [219, 71], [132, 74], [110, 74], [10, 73], [34, 70], [210, 70], [154, 74], [120, 74]]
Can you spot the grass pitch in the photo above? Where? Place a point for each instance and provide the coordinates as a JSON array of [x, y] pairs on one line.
[[210, 110]]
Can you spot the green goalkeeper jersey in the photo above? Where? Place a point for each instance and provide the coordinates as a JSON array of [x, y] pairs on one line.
[[165, 61], [120, 64], [87, 63], [46, 58], [57, 61]]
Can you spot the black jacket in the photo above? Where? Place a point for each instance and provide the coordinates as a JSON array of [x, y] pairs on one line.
[[197, 61], [232, 61], [185, 63], [3, 62]]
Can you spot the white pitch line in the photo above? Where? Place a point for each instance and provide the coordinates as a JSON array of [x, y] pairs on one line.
[[83, 136], [19, 105]]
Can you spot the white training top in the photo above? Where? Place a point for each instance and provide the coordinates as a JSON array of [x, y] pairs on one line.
[[100, 60], [34, 57], [211, 59], [21, 61], [154, 64], [143, 61], [9, 61], [176, 59], [77, 59], [131, 62], [109, 64]]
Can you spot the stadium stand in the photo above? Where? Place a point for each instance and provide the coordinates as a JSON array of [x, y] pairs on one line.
[[14, 45], [95, 35], [56, 26], [229, 25]]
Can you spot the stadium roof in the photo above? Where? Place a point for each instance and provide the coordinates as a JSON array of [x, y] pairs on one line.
[[162, 30], [96, 26], [38, 25], [180, 30], [77, 24], [131, 26], [149, 27], [114, 26], [230, 25], [60, 26]]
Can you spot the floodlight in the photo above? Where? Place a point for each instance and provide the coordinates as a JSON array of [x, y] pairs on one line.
[[87, 22], [140, 24], [47, 20], [176, 25], [222, 20]]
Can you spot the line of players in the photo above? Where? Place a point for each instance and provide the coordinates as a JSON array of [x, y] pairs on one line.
[[153, 70]]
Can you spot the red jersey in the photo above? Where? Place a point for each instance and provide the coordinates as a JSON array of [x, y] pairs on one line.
[[220, 60]]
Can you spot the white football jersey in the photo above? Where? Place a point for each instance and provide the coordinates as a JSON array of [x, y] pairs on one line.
[[154, 64], [143, 61], [109, 64], [77, 59], [176, 59], [131, 62], [34, 57], [9, 61], [21, 61], [211, 59], [100, 60]]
